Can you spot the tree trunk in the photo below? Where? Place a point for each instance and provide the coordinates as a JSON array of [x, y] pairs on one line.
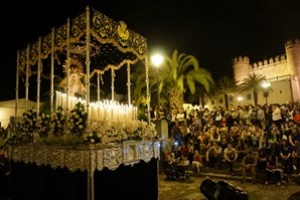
[[255, 96], [226, 101], [176, 100]]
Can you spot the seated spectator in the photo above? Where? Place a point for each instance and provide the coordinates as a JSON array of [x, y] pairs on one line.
[[296, 156], [184, 151], [190, 153], [197, 161], [214, 155], [273, 170], [230, 155], [203, 151], [242, 148], [261, 160], [285, 155], [249, 163], [170, 157], [296, 116]]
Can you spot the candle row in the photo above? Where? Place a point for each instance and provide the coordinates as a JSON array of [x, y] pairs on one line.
[[106, 110]]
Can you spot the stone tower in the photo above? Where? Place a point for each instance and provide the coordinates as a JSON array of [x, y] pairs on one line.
[[292, 49], [241, 68]]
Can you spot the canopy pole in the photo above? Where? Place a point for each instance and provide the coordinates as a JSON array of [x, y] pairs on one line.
[[68, 70], [52, 72], [90, 174], [147, 86], [17, 92], [27, 77], [98, 87], [112, 83], [87, 60], [38, 96], [128, 84]]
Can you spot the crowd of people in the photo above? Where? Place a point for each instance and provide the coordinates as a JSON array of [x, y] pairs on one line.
[[258, 138]]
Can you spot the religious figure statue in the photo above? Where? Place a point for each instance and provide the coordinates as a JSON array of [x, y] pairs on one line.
[[75, 87]]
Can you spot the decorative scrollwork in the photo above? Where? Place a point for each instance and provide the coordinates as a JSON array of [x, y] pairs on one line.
[[78, 26], [102, 25], [61, 36]]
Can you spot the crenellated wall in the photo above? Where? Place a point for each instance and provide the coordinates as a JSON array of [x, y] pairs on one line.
[[272, 68], [282, 71], [282, 65]]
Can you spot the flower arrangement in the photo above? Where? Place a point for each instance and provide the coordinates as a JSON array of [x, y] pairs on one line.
[[78, 119], [43, 125], [73, 128], [57, 122], [116, 131], [29, 121]]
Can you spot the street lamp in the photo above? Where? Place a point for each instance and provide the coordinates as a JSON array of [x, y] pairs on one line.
[[266, 86], [157, 59], [240, 99]]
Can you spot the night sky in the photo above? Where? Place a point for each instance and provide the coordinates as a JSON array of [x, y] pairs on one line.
[[213, 31]]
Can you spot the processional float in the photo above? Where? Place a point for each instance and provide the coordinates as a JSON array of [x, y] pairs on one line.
[[78, 54]]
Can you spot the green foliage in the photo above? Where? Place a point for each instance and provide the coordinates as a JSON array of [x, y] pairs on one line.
[[178, 74], [253, 83]]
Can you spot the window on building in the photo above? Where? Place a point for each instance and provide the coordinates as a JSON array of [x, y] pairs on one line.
[[230, 99], [249, 96], [212, 102], [221, 100]]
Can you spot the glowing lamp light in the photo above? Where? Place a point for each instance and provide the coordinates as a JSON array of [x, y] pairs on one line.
[[240, 99], [266, 85], [157, 59]]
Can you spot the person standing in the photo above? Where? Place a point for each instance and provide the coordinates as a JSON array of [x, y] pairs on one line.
[[276, 115]]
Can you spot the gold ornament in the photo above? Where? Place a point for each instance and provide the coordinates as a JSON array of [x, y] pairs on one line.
[[122, 30]]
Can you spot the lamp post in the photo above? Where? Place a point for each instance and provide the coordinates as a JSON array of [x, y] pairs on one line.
[[240, 99], [266, 86], [157, 59]]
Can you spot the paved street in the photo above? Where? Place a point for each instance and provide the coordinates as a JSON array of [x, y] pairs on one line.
[[189, 190]]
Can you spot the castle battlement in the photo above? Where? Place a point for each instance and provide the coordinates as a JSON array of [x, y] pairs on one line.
[[282, 70], [272, 61], [241, 59], [291, 43]]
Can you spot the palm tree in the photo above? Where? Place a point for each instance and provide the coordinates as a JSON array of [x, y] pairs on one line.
[[181, 74], [226, 86], [253, 82], [177, 75]]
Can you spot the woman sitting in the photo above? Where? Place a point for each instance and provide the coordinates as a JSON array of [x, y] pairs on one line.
[[197, 161], [273, 170]]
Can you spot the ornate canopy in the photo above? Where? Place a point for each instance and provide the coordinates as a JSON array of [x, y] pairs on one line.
[[111, 43], [92, 39]]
